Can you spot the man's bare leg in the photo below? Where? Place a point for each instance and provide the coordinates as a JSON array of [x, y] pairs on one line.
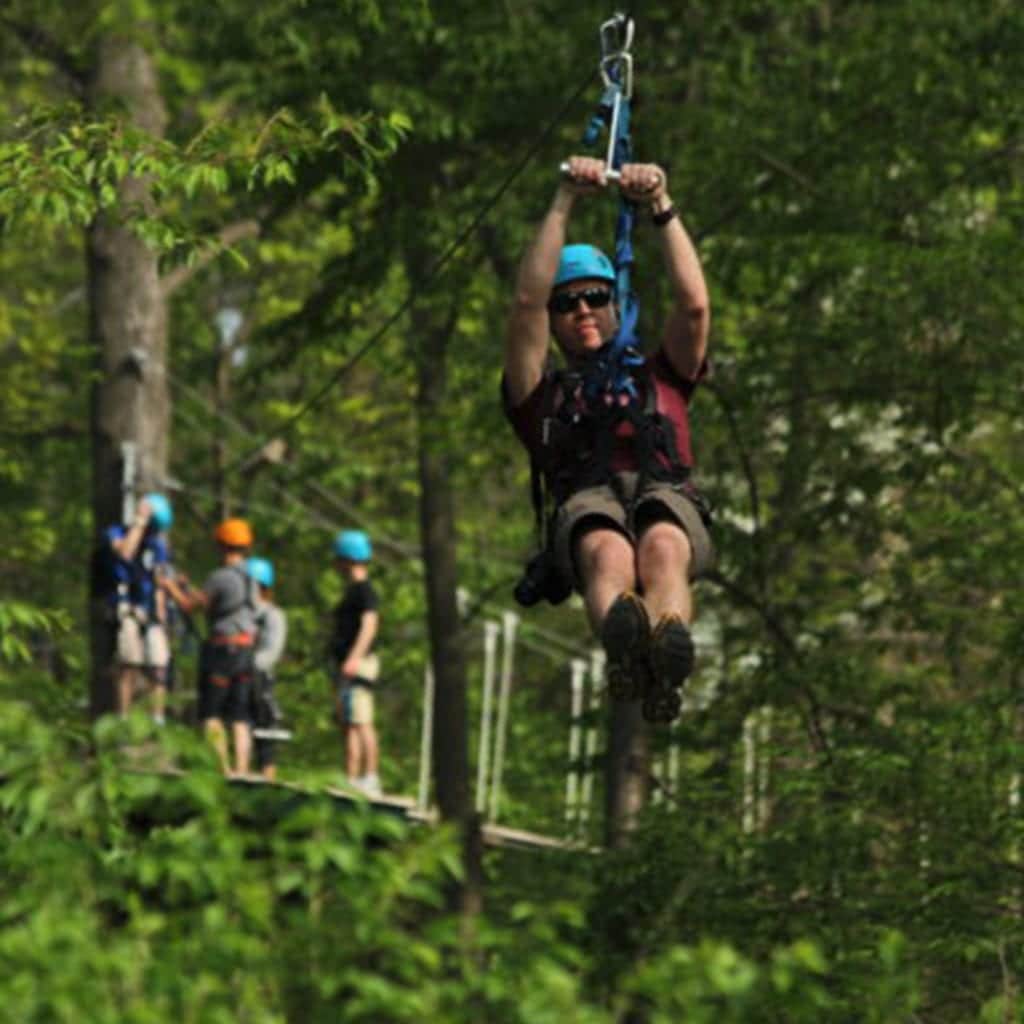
[[607, 564], [126, 683], [213, 728], [158, 704], [353, 751], [663, 561], [241, 735], [606, 561], [371, 751]]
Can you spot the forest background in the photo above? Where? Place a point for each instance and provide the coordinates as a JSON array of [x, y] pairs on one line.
[[852, 173]]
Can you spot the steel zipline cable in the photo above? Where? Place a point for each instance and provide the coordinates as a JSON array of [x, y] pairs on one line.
[[431, 276]]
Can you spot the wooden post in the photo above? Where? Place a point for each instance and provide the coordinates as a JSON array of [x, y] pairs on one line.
[[483, 755], [573, 771]]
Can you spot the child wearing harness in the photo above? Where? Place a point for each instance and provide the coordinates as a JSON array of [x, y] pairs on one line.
[[271, 633], [226, 662]]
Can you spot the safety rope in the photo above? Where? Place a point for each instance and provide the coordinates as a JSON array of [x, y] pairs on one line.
[[610, 371]]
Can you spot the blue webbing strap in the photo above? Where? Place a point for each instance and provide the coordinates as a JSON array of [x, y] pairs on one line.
[[611, 368], [625, 345]]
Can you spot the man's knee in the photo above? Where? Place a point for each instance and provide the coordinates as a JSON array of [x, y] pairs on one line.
[[664, 547], [213, 728], [602, 550]]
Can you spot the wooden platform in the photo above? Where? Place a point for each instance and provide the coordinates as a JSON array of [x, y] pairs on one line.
[[495, 836]]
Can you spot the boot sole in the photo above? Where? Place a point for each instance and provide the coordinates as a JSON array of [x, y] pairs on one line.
[[625, 637], [669, 671]]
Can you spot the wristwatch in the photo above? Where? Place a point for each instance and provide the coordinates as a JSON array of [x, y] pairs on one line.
[[659, 220]]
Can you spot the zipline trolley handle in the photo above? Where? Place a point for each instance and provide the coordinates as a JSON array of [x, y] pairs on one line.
[[616, 67]]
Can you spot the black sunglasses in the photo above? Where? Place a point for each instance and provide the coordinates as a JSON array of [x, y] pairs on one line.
[[566, 302]]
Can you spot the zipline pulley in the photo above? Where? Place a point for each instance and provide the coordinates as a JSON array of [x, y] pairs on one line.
[[617, 37]]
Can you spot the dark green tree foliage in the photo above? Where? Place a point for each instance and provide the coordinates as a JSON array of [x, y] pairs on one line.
[[852, 171], [135, 897]]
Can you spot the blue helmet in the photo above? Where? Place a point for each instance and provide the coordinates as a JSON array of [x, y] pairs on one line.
[[162, 514], [261, 570], [353, 545], [580, 261]]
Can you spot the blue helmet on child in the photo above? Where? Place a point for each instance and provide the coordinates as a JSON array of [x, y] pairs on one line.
[[162, 514], [261, 570], [580, 261], [353, 545]]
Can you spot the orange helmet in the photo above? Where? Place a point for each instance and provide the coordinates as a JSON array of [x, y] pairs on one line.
[[234, 533]]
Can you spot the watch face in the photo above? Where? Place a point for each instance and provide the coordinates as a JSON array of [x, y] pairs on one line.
[[147, 560]]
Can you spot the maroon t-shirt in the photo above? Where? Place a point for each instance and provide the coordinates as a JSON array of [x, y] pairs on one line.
[[672, 401]]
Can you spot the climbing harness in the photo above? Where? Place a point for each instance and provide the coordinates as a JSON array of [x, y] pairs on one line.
[[126, 585], [581, 436], [610, 370]]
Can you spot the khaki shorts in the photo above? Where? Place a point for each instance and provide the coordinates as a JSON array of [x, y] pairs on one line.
[[659, 501], [355, 704], [369, 668], [142, 645]]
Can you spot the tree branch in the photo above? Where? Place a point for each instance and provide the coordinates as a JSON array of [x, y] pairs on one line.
[[747, 465], [781, 167], [226, 237]]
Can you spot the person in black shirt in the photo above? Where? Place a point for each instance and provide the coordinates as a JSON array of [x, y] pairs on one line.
[[355, 668]]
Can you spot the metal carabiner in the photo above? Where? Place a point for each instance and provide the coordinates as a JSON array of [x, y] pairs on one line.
[[616, 36], [623, 63], [616, 42]]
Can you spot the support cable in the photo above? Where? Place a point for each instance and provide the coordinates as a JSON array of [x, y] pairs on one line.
[[433, 272]]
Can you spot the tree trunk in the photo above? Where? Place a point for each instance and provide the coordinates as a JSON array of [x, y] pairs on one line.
[[627, 770], [437, 529], [127, 328]]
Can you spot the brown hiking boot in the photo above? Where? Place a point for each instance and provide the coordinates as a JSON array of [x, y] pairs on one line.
[[670, 655], [625, 635]]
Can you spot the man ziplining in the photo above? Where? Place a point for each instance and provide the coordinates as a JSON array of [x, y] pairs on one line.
[[609, 434], [629, 530]]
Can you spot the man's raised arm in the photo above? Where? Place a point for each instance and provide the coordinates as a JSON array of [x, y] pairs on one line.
[[526, 334], [685, 338]]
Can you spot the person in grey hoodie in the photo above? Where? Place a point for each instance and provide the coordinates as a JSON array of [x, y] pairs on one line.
[[226, 673]]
